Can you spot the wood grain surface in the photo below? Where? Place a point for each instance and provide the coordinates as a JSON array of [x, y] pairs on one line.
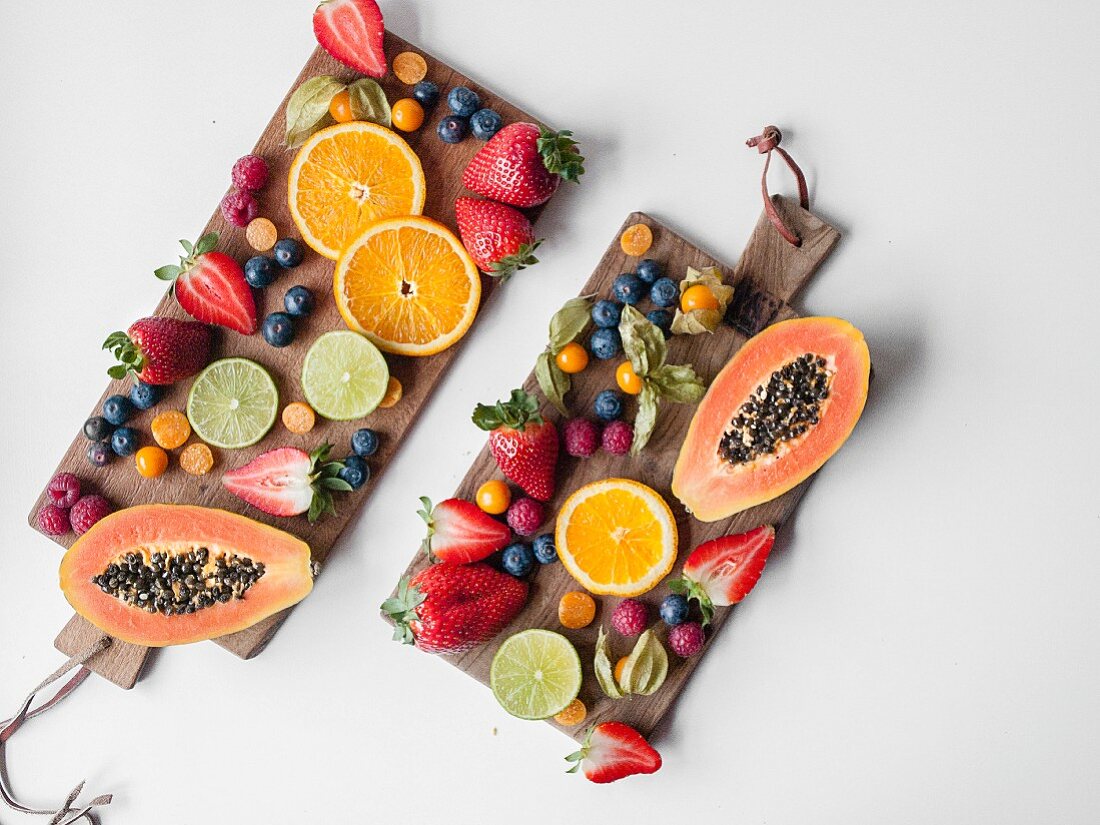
[[769, 272], [121, 663]]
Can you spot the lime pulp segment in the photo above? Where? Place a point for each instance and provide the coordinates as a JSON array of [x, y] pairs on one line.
[[233, 403], [344, 376], [536, 674]]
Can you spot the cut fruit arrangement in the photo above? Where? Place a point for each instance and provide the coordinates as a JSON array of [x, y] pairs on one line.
[[308, 324], [651, 559]]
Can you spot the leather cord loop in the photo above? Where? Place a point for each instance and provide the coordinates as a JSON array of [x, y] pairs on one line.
[[765, 143]]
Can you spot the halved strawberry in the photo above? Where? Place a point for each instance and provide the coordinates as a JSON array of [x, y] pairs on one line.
[[612, 751], [288, 482], [352, 32], [499, 238], [460, 532], [210, 286], [721, 572], [524, 446]]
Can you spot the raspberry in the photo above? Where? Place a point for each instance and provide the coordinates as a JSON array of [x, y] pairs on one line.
[[525, 516], [64, 490], [238, 208], [686, 639], [630, 617], [582, 437], [52, 520], [87, 512], [250, 173], [617, 437]]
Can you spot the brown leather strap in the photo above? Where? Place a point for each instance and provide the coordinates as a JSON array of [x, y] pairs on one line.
[[766, 143], [66, 814]]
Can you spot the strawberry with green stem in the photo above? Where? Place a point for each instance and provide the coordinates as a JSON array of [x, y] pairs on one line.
[[612, 751], [524, 445], [721, 572], [460, 532], [499, 238], [210, 286], [159, 350], [523, 164], [288, 482]]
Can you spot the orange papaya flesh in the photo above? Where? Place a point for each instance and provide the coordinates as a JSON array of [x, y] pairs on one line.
[[778, 410], [166, 574]]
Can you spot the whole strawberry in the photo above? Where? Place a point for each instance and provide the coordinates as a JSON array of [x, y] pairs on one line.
[[210, 286], [450, 608], [523, 164], [499, 238], [525, 447], [159, 350]]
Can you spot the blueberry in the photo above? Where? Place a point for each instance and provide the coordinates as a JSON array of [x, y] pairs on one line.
[[356, 471], [517, 559], [98, 428], [426, 93], [628, 288], [674, 609], [364, 442], [545, 550], [145, 396], [99, 453], [463, 102], [298, 301], [452, 129], [606, 313], [665, 292], [117, 409], [608, 405], [260, 271], [278, 329], [484, 123], [662, 319], [288, 253], [649, 271], [124, 441], [605, 343]]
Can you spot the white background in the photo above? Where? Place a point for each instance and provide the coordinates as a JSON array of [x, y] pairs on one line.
[[923, 646]]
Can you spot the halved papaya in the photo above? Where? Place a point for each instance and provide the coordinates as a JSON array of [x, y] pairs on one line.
[[775, 413], [167, 574]]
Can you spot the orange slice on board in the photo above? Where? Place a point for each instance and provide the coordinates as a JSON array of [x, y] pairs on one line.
[[409, 285], [616, 537], [348, 176]]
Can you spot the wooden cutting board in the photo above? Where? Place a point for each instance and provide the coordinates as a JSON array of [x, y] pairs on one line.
[[768, 274], [121, 663]]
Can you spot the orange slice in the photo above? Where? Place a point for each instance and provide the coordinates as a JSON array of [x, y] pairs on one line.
[[616, 537], [409, 285], [347, 176]]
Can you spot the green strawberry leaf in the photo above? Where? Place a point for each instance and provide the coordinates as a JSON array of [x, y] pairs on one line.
[[169, 272], [509, 265], [207, 243]]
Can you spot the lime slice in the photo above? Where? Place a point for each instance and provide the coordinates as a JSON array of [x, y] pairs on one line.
[[344, 376], [232, 403], [535, 674]]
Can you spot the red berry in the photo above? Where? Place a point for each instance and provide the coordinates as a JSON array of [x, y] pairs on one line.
[[52, 520], [582, 437], [87, 512], [64, 490], [686, 639], [630, 617], [239, 208], [617, 437], [526, 515], [250, 173]]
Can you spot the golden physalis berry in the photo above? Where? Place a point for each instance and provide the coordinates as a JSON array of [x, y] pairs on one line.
[[407, 115], [340, 107], [573, 715], [261, 234], [410, 67], [394, 391], [151, 461], [576, 610], [636, 240], [298, 417], [627, 379], [197, 459], [493, 497], [572, 358], [170, 429], [620, 666], [698, 297]]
